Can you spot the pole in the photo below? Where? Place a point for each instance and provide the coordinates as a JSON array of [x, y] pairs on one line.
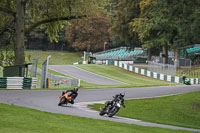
[[45, 72], [104, 48]]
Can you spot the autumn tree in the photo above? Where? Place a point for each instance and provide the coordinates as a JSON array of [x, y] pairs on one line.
[[89, 34], [20, 17]]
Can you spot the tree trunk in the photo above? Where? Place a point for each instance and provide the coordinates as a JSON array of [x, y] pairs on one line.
[[176, 61], [149, 54], [165, 52], [19, 40]]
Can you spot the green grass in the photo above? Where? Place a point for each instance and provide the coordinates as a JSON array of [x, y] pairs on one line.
[[113, 72], [33, 121], [180, 110], [57, 58]]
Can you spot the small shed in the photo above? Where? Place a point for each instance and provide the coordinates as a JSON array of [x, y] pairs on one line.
[[16, 70]]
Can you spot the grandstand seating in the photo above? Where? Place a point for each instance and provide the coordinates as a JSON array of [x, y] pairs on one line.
[[193, 50], [121, 53]]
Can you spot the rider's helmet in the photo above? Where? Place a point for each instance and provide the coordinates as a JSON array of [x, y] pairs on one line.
[[75, 89], [122, 95]]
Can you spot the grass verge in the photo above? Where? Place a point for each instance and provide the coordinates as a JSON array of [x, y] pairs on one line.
[[33, 121], [113, 72], [180, 110]]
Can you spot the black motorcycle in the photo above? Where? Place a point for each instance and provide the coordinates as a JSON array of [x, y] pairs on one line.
[[112, 107]]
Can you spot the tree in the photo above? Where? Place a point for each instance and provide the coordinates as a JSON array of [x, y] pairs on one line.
[[20, 17], [126, 11], [167, 24], [89, 34]]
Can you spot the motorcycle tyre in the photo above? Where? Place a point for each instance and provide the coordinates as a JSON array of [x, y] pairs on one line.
[[102, 112], [188, 84], [111, 114], [62, 101]]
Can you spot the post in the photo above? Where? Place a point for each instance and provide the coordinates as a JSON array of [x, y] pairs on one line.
[[79, 83], [84, 58], [176, 61], [34, 67], [104, 48], [45, 72]]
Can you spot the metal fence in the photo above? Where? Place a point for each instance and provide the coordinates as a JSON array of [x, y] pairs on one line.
[[185, 62], [162, 68], [34, 67], [58, 81], [62, 81], [191, 74]]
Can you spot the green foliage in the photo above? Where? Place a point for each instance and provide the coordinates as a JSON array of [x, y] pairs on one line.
[[6, 58], [52, 30], [116, 41], [50, 15], [43, 10], [125, 12], [6, 33], [169, 22]]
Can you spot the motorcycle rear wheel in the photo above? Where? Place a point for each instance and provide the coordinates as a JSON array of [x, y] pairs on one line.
[[102, 112]]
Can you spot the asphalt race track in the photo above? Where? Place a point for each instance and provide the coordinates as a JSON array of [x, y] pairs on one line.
[[47, 100], [78, 73]]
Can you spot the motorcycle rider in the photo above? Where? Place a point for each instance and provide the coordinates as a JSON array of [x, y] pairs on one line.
[[184, 78], [73, 92], [116, 97]]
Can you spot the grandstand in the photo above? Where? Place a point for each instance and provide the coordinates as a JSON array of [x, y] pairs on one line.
[[193, 50], [122, 53]]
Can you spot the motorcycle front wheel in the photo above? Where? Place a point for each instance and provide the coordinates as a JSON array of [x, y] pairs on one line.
[[113, 112], [62, 101]]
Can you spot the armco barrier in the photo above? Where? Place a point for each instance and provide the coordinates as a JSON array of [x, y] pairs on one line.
[[18, 83], [15, 82], [128, 66], [84, 62], [3, 82]]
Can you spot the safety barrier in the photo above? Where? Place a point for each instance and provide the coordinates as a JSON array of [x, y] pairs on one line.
[[18, 83], [83, 62], [155, 75]]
